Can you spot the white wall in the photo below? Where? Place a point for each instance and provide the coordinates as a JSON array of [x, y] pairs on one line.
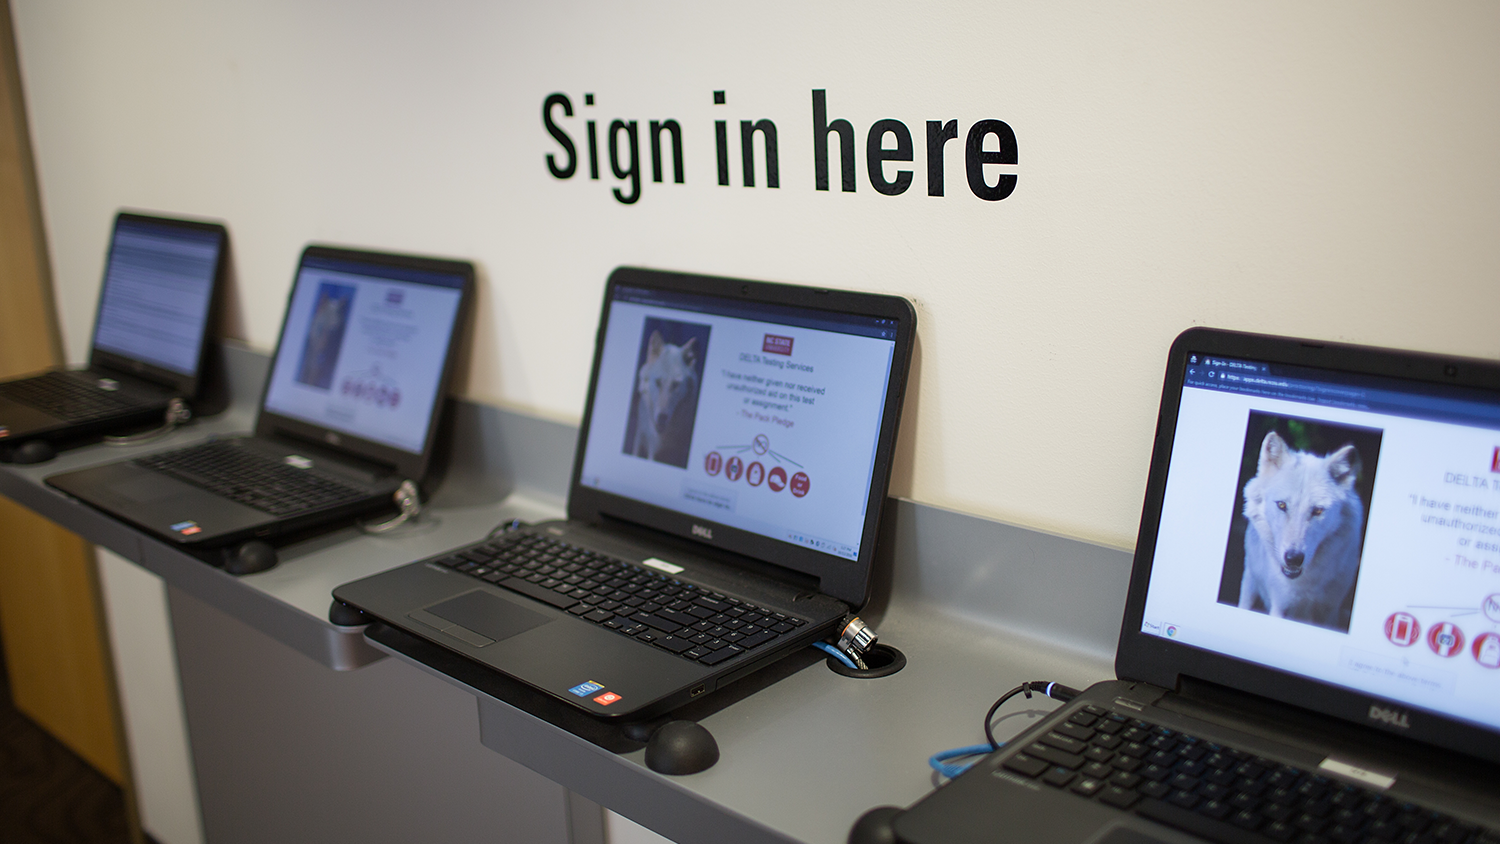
[[622, 830], [151, 709], [1320, 169]]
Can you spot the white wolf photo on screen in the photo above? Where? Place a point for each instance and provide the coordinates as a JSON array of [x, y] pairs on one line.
[[664, 403], [1301, 507]]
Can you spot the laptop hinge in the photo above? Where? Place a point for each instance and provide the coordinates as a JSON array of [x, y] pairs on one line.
[[1221, 704], [365, 464], [1342, 742], [769, 571], [141, 375]]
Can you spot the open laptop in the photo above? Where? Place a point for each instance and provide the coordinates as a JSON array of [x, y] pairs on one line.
[[1311, 643], [726, 494], [350, 409], [161, 284]]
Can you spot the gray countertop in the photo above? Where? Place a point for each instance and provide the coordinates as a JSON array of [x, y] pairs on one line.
[[976, 605]]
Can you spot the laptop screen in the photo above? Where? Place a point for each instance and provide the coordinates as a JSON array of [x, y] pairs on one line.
[[760, 417], [363, 349], [1341, 527], [158, 288]]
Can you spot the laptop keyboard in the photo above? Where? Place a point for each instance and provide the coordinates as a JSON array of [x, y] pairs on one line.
[[62, 395], [257, 480], [1220, 793], [687, 620]]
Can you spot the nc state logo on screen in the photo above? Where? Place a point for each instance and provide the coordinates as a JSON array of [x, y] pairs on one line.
[[775, 344], [1495, 461]]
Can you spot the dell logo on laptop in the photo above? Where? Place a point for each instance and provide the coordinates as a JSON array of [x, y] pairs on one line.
[[1394, 717], [700, 530]]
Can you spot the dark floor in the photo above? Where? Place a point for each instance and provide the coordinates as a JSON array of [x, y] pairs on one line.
[[47, 794]]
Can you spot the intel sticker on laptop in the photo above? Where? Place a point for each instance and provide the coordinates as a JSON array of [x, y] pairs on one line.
[[187, 528], [586, 689]]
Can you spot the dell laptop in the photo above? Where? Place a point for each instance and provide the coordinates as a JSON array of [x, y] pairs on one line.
[[1310, 650], [350, 409], [725, 499], [162, 279]]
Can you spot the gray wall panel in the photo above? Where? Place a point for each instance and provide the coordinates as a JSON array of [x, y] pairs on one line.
[[383, 754]]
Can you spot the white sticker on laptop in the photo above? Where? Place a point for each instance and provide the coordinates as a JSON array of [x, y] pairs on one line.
[[1377, 779], [663, 565], [298, 461]]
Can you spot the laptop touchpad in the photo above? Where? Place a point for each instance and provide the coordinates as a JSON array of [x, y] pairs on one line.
[[150, 488], [1129, 835], [492, 617]]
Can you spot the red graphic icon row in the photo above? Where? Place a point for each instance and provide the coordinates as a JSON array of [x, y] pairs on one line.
[[755, 474], [1445, 638], [371, 392]]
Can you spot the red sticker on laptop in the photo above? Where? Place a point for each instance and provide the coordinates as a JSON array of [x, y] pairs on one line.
[[606, 699], [187, 528]]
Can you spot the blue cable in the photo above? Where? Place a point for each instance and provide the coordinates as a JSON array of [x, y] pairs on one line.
[[939, 761], [836, 653]]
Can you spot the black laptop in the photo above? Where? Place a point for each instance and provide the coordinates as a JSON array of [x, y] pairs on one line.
[[161, 283], [1311, 645], [350, 409], [731, 470]]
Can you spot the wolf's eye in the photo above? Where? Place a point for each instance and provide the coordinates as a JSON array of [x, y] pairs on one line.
[[1317, 511], [1281, 505]]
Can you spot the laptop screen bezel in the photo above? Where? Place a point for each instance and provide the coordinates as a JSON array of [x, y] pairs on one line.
[[846, 580], [186, 384], [406, 464], [1163, 662]]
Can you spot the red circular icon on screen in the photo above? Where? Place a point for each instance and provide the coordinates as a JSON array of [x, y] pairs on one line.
[[755, 473], [713, 463], [776, 479], [1402, 629], [1446, 639], [1487, 649], [800, 484], [734, 468]]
